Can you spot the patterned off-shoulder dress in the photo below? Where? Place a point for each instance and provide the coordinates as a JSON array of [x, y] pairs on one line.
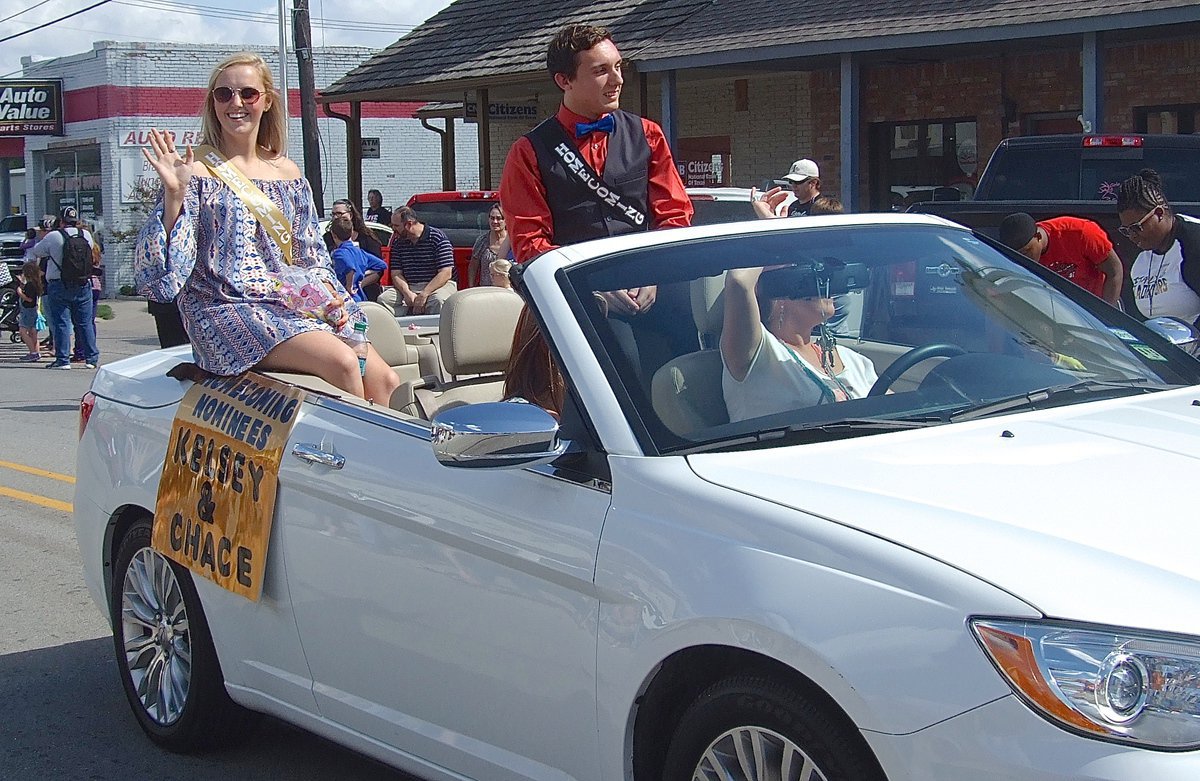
[[219, 265]]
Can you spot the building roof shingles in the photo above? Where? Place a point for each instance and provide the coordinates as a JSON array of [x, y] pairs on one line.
[[505, 40]]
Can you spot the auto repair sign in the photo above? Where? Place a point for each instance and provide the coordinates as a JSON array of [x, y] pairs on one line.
[[31, 108], [216, 497]]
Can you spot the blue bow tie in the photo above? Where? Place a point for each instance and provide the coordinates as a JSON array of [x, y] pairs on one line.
[[605, 123]]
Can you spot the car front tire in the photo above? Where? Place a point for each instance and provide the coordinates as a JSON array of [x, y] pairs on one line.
[[165, 656], [753, 728]]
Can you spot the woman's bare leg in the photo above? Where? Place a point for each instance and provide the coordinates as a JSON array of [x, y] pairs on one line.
[[381, 381], [319, 353]]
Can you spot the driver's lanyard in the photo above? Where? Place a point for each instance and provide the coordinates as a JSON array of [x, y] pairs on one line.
[[827, 394]]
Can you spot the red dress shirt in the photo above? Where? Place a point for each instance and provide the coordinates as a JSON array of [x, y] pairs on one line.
[[523, 195]]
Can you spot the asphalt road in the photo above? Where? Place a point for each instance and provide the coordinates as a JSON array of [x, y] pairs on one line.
[[62, 712]]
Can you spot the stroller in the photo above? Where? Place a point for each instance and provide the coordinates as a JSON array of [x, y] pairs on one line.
[[10, 305]]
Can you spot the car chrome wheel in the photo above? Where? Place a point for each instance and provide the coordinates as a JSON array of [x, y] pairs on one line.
[[755, 754], [157, 641]]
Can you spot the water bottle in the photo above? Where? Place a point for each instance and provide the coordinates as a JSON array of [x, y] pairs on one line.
[[358, 342]]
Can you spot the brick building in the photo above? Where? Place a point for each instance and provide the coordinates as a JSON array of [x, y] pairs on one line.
[[897, 100], [115, 93]]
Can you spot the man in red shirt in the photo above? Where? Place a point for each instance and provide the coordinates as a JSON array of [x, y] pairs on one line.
[[591, 171], [1074, 248], [545, 189]]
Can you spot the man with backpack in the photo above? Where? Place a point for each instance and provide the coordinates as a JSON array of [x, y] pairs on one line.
[[68, 251]]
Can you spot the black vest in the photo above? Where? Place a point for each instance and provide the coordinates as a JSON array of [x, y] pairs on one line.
[[578, 215]]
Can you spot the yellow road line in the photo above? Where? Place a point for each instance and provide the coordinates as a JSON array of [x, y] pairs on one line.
[[43, 501], [33, 470]]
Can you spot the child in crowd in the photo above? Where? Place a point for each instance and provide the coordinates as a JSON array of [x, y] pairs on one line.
[[358, 270], [29, 290]]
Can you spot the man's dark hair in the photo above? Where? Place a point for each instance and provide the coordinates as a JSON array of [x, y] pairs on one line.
[[562, 56], [340, 230], [1143, 190], [375, 192], [1017, 230]]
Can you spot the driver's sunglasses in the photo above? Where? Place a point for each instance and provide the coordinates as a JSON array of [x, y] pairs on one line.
[[225, 94], [1129, 231]]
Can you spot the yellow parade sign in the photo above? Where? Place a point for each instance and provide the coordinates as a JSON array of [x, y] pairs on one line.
[[216, 497]]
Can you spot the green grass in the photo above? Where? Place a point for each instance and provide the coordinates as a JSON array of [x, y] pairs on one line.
[[104, 312]]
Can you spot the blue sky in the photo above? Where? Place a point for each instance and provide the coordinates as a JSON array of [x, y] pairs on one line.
[[346, 23]]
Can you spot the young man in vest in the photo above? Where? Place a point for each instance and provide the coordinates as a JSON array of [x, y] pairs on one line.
[[591, 170], [69, 306]]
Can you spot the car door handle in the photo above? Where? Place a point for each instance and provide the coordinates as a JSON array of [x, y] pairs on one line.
[[314, 454]]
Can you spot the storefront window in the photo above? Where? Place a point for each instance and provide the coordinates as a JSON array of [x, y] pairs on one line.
[[1167, 119], [922, 161], [72, 178]]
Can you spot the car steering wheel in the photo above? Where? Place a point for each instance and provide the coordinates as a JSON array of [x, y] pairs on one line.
[[911, 359]]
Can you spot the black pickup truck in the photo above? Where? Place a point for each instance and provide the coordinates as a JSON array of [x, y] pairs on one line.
[[1076, 175]]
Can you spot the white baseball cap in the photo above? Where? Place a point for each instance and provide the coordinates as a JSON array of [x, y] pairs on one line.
[[802, 171]]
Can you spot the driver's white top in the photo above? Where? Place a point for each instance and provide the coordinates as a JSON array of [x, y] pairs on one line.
[[777, 381]]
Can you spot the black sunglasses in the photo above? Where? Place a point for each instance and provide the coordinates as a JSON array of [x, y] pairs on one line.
[[225, 94]]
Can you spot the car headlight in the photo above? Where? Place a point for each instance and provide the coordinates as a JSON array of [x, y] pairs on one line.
[[1124, 685]]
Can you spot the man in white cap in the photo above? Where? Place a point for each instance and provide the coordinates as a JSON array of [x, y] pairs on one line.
[[805, 180]]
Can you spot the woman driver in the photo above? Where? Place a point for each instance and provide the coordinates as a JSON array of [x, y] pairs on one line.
[[771, 361]]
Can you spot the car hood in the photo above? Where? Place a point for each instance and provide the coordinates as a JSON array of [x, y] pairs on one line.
[[1084, 512]]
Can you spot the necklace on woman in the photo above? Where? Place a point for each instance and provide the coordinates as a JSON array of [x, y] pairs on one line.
[[1152, 278]]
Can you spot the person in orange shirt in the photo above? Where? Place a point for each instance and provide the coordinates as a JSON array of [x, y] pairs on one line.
[[592, 170], [1071, 247]]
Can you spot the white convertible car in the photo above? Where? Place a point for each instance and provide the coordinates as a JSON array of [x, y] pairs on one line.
[[984, 568]]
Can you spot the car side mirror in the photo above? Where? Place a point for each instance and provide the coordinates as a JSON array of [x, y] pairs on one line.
[[500, 434], [1178, 332]]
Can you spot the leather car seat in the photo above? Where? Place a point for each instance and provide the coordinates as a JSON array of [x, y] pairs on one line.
[[475, 330], [686, 392]]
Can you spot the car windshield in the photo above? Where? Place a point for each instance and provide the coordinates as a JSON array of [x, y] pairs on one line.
[[711, 211], [459, 214], [1090, 174], [953, 326], [12, 223]]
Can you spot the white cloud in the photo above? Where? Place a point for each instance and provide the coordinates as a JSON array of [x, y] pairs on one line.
[[374, 25]]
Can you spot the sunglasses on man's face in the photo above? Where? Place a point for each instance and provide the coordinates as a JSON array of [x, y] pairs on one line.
[[1129, 231], [225, 94]]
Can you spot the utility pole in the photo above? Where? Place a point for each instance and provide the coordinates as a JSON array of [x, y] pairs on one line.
[[302, 36]]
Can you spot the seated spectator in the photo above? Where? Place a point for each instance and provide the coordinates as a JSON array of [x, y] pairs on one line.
[[772, 362], [376, 211], [1074, 248], [355, 268], [498, 270], [421, 266]]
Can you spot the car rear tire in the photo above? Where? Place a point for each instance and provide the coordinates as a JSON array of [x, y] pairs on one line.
[[165, 656], [753, 728]]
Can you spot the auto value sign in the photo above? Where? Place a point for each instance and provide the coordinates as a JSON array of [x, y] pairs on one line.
[[31, 108], [216, 497]]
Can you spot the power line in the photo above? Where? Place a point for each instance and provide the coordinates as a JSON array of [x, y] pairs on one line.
[[261, 18], [54, 21], [23, 10]]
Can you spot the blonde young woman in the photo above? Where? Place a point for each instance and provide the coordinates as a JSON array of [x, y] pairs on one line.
[[204, 243]]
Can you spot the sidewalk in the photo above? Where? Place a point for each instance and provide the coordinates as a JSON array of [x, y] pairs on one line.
[[130, 332]]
